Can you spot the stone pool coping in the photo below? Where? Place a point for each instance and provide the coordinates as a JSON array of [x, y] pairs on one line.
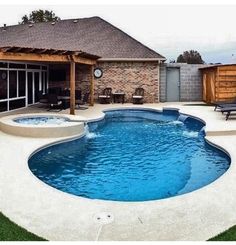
[[56, 215]]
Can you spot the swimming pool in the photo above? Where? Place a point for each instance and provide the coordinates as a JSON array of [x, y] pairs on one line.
[[133, 155]]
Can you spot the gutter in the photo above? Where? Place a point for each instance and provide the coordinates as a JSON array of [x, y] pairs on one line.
[[133, 59]]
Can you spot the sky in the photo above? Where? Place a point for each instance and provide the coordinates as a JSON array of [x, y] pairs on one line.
[[168, 29]]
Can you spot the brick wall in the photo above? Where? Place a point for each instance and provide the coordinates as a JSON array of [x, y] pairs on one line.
[[190, 81], [128, 76]]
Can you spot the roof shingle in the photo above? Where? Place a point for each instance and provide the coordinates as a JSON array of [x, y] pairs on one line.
[[92, 35]]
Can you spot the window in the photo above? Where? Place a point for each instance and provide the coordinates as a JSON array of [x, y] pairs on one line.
[[19, 66], [3, 106], [15, 104], [3, 84], [33, 67], [21, 79], [3, 65], [12, 84]]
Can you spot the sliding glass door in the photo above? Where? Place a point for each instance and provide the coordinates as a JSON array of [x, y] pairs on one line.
[[33, 86], [21, 84]]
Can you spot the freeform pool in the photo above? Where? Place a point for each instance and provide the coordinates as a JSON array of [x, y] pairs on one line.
[[133, 155], [41, 120]]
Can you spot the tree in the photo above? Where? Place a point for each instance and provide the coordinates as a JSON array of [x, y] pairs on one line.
[[190, 57], [39, 16], [172, 61]]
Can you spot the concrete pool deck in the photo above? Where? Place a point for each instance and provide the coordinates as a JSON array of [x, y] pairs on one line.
[[56, 215]]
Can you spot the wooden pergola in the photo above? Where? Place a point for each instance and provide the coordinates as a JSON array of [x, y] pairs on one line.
[[14, 53]]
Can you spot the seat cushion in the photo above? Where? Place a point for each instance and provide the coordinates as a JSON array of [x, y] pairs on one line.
[[104, 96], [137, 96]]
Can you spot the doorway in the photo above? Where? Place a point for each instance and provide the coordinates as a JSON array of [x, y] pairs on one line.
[[172, 84], [33, 86]]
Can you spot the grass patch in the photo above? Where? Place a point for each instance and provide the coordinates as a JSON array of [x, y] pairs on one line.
[[228, 235], [10, 231]]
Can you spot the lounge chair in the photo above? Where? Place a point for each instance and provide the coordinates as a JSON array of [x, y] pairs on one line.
[[54, 103], [223, 104], [106, 96], [228, 111], [138, 96]]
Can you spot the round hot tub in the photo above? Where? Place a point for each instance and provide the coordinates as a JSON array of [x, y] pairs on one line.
[[41, 120], [43, 125]]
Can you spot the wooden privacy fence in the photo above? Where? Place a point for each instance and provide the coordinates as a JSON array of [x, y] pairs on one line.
[[219, 83]]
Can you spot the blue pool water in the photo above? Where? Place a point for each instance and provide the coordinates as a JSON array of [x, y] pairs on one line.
[[133, 155], [41, 120]]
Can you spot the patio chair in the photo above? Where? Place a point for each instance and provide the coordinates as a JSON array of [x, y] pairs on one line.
[[43, 98], [138, 95], [228, 111], [54, 103], [78, 95], [106, 96], [65, 92], [84, 101]]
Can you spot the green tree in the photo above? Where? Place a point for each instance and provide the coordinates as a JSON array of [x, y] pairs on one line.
[[39, 15], [190, 57]]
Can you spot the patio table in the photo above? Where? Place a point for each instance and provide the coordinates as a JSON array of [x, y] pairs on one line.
[[118, 97]]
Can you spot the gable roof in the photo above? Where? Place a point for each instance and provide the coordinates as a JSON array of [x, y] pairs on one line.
[[91, 35]]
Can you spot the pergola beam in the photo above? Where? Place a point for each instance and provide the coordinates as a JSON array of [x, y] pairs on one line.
[[35, 57], [72, 87], [91, 85]]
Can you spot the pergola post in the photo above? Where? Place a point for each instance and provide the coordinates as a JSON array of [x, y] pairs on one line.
[[72, 87], [91, 86]]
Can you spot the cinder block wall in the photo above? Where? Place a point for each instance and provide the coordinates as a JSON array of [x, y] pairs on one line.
[[163, 82], [190, 81], [128, 76]]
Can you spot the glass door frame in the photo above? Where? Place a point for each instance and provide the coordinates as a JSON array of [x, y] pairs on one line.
[[39, 72]]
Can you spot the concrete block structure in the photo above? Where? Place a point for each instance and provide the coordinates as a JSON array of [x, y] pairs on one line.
[[187, 82]]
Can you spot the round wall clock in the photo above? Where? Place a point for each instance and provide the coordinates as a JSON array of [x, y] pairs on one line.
[[98, 72]]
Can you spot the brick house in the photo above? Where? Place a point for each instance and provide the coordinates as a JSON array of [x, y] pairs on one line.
[[36, 57]]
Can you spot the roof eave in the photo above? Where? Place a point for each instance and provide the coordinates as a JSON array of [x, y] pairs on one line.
[[133, 59]]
